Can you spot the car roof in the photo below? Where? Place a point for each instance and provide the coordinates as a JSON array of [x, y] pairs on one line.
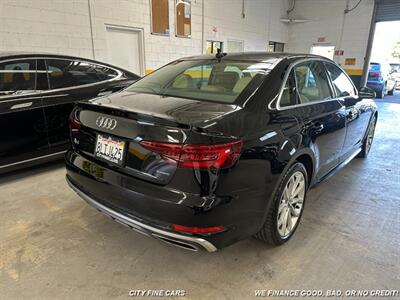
[[256, 56], [20, 54]]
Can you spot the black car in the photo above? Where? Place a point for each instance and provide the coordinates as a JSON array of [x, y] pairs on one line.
[[210, 150], [37, 95]]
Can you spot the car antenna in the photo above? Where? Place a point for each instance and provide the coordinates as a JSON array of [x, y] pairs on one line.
[[219, 55]]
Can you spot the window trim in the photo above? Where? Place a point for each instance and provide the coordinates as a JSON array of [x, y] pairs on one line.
[[291, 66], [119, 73]]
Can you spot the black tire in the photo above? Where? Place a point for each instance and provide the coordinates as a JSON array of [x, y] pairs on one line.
[[380, 94], [390, 93], [269, 232], [366, 147]]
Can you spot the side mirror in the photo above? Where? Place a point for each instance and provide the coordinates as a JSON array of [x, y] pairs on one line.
[[366, 92]]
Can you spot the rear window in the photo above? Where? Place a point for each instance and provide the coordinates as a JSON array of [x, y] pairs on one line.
[[207, 80], [65, 73], [374, 67]]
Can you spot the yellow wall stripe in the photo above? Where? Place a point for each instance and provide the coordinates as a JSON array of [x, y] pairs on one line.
[[354, 71]]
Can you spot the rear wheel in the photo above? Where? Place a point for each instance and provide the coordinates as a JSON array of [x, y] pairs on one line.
[[367, 143], [286, 210], [380, 94], [391, 92]]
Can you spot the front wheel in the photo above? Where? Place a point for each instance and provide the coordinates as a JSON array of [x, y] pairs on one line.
[[367, 143], [287, 207]]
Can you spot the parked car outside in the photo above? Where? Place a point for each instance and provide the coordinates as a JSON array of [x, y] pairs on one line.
[[37, 95], [380, 79], [396, 74], [208, 150]]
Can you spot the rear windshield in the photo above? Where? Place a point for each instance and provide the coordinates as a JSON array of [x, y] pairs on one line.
[[207, 80], [374, 67]]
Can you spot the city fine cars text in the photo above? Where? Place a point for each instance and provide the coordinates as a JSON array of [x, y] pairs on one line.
[[157, 293]]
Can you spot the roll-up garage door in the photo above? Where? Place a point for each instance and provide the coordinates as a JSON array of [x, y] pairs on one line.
[[387, 10]]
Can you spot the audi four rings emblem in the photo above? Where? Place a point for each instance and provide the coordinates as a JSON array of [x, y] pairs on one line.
[[106, 123]]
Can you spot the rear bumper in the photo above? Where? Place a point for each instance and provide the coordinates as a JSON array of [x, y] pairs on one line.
[[375, 85], [182, 241], [240, 211]]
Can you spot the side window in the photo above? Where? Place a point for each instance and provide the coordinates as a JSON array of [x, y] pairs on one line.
[[289, 94], [341, 83], [65, 73], [104, 73], [17, 76], [312, 82]]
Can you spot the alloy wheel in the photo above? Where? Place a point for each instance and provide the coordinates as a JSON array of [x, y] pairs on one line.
[[291, 204], [370, 136]]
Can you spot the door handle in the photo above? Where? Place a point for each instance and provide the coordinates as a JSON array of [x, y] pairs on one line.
[[22, 105], [315, 128]]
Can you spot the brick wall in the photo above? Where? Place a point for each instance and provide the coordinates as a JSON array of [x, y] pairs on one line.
[[62, 26]]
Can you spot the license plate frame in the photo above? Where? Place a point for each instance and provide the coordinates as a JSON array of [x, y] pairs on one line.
[[110, 149]]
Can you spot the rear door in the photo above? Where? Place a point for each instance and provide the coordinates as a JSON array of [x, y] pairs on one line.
[[71, 81], [323, 116], [22, 122]]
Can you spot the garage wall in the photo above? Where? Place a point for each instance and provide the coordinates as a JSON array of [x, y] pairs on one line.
[[260, 25], [347, 32], [63, 26]]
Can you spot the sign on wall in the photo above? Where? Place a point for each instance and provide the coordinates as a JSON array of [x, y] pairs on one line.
[[350, 61], [339, 52]]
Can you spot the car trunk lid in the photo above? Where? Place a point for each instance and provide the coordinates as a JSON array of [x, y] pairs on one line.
[[122, 121]]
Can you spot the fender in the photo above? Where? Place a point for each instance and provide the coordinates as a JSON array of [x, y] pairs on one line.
[[288, 164]]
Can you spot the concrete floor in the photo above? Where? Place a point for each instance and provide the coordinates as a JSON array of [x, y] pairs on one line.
[[53, 245]]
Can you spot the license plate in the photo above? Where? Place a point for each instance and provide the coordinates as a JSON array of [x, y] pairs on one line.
[[110, 149]]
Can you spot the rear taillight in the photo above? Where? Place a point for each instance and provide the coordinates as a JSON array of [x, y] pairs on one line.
[[204, 230], [375, 75], [74, 125], [198, 156]]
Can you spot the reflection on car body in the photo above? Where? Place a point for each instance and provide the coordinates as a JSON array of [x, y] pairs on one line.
[[37, 94]]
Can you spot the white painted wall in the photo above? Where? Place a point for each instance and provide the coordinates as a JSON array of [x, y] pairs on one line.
[[327, 19], [62, 26]]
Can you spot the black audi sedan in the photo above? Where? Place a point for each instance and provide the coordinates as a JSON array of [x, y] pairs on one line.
[[37, 95], [208, 150]]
